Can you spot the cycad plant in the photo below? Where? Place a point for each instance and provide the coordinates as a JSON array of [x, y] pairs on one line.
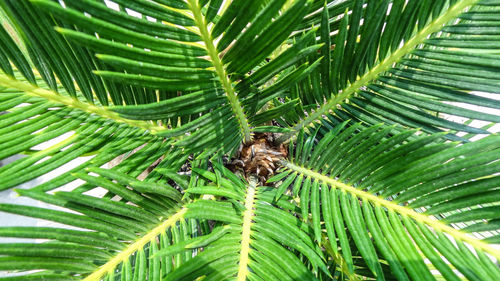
[[252, 140]]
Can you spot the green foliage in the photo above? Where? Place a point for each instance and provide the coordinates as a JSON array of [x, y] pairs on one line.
[[156, 96]]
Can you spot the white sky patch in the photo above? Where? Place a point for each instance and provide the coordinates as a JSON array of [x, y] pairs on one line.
[[112, 5]]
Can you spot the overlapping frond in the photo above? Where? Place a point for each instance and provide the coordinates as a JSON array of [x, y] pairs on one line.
[[262, 241], [401, 62], [55, 69], [224, 229], [401, 199], [30, 42], [200, 57], [51, 134], [100, 237]]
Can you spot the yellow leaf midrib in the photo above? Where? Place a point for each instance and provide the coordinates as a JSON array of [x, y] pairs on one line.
[[52, 96], [245, 232], [235, 104]]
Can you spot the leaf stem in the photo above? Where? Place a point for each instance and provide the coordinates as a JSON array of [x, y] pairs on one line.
[[219, 69], [245, 232], [51, 96]]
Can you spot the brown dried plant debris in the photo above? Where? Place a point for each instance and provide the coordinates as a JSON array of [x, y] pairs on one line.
[[260, 157]]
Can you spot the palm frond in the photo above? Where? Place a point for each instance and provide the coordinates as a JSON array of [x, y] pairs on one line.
[[72, 132], [166, 57], [424, 60], [48, 52], [161, 234], [404, 195], [110, 234], [260, 236]]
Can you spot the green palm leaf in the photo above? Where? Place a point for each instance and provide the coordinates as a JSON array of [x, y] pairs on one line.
[[162, 235], [397, 76], [175, 63], [254, 241], [77, 131], [404, 195], [116, 232]]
